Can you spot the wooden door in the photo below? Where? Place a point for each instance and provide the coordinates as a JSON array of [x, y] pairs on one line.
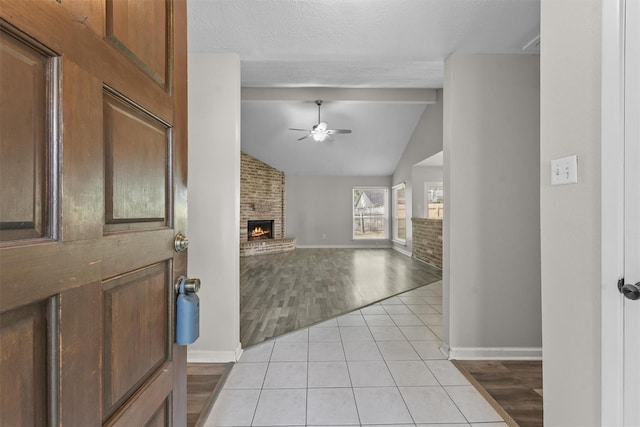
[[92, 192]]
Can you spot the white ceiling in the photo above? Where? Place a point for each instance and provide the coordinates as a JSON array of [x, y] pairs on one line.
[[348, 44], [435, 160]]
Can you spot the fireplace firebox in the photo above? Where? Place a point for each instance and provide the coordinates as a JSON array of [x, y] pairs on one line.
[[259, 230]]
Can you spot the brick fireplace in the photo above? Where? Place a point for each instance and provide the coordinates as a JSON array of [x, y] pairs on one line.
[[262, 200]]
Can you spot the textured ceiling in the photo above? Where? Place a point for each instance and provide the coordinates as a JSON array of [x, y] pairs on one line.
[[349, 44]]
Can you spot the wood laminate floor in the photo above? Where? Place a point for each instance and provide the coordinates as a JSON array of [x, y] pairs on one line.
[[516, 386], [203, 381], [283, 292]]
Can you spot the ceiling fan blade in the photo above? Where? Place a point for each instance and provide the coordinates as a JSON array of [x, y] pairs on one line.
[[304, 130], [304, 137], [330, 138], [335, 131]]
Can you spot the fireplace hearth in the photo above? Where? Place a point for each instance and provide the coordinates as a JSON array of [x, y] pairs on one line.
[[259, 230]]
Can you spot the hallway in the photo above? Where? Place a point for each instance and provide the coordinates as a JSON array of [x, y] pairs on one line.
[[380, 365]]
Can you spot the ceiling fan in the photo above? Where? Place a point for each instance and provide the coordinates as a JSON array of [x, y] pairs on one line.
[[319, 132]]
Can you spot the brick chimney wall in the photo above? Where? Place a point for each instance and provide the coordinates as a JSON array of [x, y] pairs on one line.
[[262, 195]]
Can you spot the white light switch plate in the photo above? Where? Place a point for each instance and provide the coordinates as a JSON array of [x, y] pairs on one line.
[[564, 170]]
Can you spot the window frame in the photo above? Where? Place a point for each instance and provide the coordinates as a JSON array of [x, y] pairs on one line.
[[394, 213], [426, 198], [385, 214]]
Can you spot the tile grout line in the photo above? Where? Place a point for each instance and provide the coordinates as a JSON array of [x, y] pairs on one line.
[[393, 378], [456, 404], [255, 410], [346, 361], [306, 402], [441, 386]]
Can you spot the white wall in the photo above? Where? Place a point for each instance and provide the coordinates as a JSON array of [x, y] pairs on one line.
[[317, 205], [570, 214], [420, 175], [491, 259], [425, 141], [214, 202]]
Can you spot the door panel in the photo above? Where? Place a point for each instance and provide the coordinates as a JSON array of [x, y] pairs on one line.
[[136, 331], [94, 161], [24, 72], [23, 381], [127, 28], [137, 159], [142, 407]]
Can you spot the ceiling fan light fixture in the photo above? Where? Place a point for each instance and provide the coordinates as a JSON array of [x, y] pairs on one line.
[[320, 131], [319, 136]]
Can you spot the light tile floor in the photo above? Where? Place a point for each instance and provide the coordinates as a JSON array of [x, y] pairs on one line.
[[380, 365]]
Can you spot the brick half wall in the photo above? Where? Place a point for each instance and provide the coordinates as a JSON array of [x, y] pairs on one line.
[[427, 240]]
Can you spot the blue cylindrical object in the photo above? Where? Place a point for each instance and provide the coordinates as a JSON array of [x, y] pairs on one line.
[[187, 318]]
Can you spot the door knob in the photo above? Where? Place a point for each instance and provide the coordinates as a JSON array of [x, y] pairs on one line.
[[629, 291], [181, 243], [190, 285]]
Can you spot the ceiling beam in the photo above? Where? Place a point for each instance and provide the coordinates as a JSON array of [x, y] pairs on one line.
[[405, 96]]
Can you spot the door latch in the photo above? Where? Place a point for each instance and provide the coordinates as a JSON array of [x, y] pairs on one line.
[[181, 243]]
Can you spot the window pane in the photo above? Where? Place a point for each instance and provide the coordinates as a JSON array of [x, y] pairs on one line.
[[434, 199], [399, 214], [369, 213]]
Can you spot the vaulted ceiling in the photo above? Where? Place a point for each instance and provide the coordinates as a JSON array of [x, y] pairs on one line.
[[317, 49]]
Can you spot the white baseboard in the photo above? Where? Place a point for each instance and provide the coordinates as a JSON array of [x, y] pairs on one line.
[[205, 356], [239, 351], [402, 250], [495, 353], [444, 348], [366, 246]]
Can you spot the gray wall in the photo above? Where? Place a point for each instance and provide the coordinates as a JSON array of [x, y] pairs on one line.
[[492, 221], [317, 205], [420, 175], [570, 214], [424, 143], [214, 202]]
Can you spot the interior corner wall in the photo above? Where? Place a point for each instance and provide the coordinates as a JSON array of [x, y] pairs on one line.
[[491, 235], [214, 202], [425, 141], [570, 214], [319, 210]]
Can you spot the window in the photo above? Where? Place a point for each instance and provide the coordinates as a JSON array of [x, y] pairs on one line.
[[370, 212], [433, 200], [399, 214]]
